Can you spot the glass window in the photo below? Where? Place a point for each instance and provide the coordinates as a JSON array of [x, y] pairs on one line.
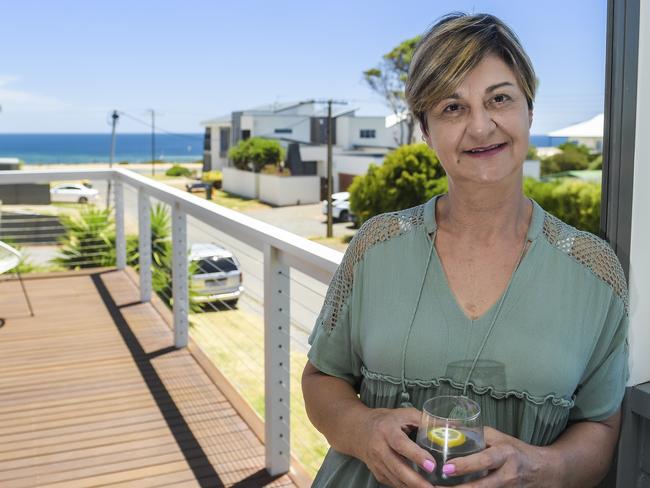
[[214, 265], [367, 133]]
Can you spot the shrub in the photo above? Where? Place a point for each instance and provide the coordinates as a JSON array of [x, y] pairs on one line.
[[255, 153], [214, 177], [89, 240], [532, 153], [575, 202], [572, 157], [274, 169], [409, 176], [178, 170]]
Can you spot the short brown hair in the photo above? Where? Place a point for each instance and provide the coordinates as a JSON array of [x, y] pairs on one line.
[[454, 46]]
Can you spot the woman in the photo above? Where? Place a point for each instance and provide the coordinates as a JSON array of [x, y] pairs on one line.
[[477, 292]]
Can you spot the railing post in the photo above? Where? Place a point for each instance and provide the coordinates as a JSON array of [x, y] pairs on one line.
[[180, 293], [144, 245], [276, 362], [120, 237]]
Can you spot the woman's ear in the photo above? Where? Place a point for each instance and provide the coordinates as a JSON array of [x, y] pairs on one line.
[[530, 117]]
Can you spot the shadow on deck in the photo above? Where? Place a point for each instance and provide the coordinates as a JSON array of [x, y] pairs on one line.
[[93, 394]]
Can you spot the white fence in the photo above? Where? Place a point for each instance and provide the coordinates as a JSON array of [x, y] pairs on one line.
[[282, 251], [276, 190]]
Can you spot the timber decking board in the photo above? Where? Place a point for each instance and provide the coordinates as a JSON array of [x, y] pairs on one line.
[[93, 394]]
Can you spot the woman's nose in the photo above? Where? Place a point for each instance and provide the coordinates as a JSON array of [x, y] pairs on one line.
[[480, 123]]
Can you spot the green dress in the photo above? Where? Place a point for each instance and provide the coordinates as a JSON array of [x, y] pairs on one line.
[[391, 327]]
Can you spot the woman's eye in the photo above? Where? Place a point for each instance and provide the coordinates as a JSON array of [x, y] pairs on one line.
[[454, 107], [500, 98]]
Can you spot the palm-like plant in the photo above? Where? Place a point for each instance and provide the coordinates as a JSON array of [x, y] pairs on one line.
[[89, 240]]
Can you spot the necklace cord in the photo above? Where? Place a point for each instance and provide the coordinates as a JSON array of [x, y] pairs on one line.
[[405, 398]]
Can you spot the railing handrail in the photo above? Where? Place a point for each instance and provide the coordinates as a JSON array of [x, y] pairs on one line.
[[311, 258], [281, 250]]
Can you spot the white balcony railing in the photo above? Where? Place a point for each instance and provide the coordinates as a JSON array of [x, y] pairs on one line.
[[281, 250]]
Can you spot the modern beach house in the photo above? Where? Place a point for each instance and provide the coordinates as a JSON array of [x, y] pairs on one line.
[[357, 140]]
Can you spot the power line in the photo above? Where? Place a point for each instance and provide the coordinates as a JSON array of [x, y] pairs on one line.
[[160, 129]]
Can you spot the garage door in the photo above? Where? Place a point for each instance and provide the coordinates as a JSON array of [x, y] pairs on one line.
[[345, 180]]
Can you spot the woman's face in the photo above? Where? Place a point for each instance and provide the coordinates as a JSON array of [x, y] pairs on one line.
[[480, 132]]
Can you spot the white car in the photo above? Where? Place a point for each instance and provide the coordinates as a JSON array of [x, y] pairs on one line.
[[217, 277], [73, 192], [340, 207]]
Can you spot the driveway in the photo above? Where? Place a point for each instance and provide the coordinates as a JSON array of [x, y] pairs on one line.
[[303, 220]]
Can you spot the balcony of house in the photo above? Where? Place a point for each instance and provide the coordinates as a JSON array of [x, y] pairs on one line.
[[117, 368]]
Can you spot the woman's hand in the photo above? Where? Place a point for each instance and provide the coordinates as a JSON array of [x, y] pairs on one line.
[[387, 450], [510, 462]]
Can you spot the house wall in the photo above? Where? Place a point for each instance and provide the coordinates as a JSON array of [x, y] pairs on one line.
[[289, 190], [243, 183], [265, 125], [212, 157], [383, 137]]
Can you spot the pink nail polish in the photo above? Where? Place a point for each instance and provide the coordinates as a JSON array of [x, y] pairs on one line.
[[449, 469], [429, 466]]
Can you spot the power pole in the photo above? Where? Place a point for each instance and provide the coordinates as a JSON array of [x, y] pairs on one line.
[[330, 226], [115, 117], [330, 140], [153, 141]]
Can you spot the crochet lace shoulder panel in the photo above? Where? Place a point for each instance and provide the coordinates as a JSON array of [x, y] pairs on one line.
[[589, 250], [378, 229]]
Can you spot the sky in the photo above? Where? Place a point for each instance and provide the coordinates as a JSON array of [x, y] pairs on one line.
[[65, 65]]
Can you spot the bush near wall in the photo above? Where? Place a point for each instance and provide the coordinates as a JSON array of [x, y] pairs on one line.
[[575, 202], [178, 170], [410, 175], [255, 153], [214, 177]]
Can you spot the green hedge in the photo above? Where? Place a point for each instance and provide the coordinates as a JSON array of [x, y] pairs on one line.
[[255, 153], [410, 175], [178, 170], [575, 202]]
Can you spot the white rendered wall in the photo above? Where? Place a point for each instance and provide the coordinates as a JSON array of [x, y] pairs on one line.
[[265, 125], [354, 165], [289, 190], [243, 183], [640, 243]]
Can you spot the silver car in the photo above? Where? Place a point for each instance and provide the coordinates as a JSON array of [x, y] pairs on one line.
[[217, 275]]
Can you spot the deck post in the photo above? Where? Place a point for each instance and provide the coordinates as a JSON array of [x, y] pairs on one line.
[[144, 245], [120, 237], [276, 362], [180, 292]]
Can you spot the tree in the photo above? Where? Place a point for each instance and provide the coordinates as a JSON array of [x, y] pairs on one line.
[[572, 157], [410, 175], [388, 79], [255, 153]]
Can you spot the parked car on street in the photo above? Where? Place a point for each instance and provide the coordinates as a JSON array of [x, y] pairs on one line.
[[218, 276], [192, 186], [340, 207], [73, 192]]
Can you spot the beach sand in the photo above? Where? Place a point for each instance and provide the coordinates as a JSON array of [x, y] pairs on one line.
[[160, 168]]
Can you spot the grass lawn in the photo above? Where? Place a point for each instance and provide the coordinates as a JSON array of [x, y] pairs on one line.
[[340, 243], [234, 340], [220, 197]]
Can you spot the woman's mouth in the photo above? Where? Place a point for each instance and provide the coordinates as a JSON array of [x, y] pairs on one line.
[[485, 151]]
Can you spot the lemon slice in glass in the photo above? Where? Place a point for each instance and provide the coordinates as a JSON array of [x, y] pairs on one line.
[[446, 436]]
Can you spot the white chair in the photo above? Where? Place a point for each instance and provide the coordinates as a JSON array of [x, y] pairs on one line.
[[10, 259]]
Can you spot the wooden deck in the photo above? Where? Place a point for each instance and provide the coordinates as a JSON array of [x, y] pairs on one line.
[[93, 394]]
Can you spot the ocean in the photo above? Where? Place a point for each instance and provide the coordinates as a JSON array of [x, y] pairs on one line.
[[96, 148]]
